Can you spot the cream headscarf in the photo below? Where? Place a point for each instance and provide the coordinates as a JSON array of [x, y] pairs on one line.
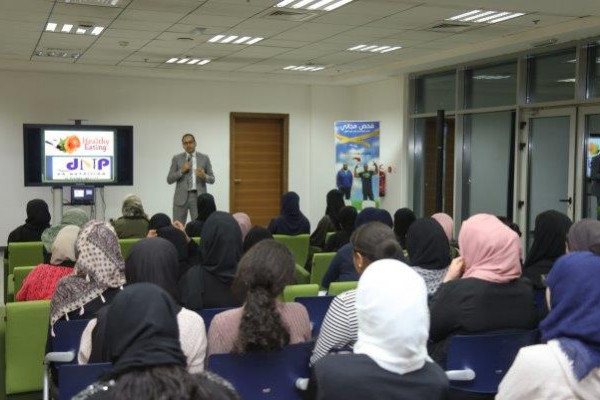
[[393, 318], [63, 248]]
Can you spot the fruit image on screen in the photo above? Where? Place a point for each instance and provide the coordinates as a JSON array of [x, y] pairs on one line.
[[78, 156]]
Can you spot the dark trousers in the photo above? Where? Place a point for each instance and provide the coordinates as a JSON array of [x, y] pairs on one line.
[[367, 191], [346, 192]]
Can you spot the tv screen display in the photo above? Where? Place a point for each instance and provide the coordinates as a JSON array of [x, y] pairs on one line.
[[63, 155]]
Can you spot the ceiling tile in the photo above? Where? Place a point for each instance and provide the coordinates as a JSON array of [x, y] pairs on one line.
[[130, 34], [240, 9], [85, 11], [203, 20], [140, 25], [151, 16], [175, 6]]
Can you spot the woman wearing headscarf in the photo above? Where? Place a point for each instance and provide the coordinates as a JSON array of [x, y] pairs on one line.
[[447, 224], [255, 235], [73, 216], [390, 358], [483, 290], [134, 223], [141, 340], [209, 285], [342, 268], [244, 222], [206, 206], [188, 251], [41, 282], [347, 217], [154, 260], [428, 251], [403, 218], [549, 243], [158, 221], [584, 236], [38, 220], [330, 221], [290, 221], [370, 242], [98, 275], [567, 364]]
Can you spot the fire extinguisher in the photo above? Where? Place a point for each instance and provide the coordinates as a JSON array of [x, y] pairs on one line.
[[381, 182]]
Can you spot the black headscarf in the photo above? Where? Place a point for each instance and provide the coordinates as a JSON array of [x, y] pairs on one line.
[[141, 330], [403, 218], [347, 217], [549, 238], [255, 235], [335, 202], [179, 241], [154, 260], [38, 219], [221, 246], [427, 245], [585, 236], [291, 221], [206, 206], [158, 221], [372, 214]]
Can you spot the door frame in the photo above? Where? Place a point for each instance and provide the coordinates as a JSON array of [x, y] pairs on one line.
[[582, 144], [285, 119]]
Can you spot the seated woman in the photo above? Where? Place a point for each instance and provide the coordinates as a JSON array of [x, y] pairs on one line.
[[370, 242], [188, 251], [447, 224], [403, 219], [206, 206], [390, 358], [41, 282], [244, 222], [290, 221], [347, 217], [154, 260], [255, 235], [141, 339], [263, 322], [38, 220], [483, 290], [428, 252], [567, 365], [330, 221], [98, 275], [134, 223], [73, 216], [208, 285], [158, 221], [549, 243], [584, 236]]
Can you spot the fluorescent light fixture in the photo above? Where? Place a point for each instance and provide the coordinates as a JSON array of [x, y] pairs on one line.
[[493, 16], [337, 5], [511, 16], [491, 77], [368, 48], [477, 16], [467, 14], [97, 30], [390, 49], [374, 48], [304, 68], [183, 61], [290, 67], [378, 49], [80, 31], [172, 60], [204, 62], [568, 80], [302, 3], [480, 16], [284, 3], [66, 28], [255, 40], [51, 26], [355, 48], [320, 4], [229, 39], [216, 38], [194, 61], [242, 39]]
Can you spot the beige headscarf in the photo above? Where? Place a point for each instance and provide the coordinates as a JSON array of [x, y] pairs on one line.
[[63, 248]]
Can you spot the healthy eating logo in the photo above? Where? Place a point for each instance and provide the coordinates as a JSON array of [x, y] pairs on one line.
[[68, 145]]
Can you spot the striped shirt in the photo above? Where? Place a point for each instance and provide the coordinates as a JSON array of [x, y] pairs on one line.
[[340, 326]]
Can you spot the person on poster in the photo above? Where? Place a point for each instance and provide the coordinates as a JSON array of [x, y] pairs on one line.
[[366, 177], [595, 182], [344, 181], [192, 171]]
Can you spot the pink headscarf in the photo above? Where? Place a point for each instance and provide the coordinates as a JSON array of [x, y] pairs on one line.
[[446, 222], [244, 222], [491, 250]]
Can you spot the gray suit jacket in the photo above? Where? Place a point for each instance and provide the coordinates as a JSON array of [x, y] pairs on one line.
[[175, 175]]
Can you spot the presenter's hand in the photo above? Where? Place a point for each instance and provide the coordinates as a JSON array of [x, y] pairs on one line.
[[455, 270], [201, 174], [151, 233], [185, 168], [180, 226]]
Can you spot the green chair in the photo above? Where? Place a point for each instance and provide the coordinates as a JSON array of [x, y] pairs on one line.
[[126, 245], [2, 351], [292, 291], [196, 239], [298, 245], [329, 234], [320, 265], [20, 273], [25, 345], [336, 288], [20, 255], [302, 275]]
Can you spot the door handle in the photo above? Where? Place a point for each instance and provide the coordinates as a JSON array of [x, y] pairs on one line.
[[236, 181], [569, 200]]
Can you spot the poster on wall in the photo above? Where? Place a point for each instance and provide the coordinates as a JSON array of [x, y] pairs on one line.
[[357, 162]]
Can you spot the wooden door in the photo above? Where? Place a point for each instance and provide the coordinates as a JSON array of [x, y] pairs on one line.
[[431, 165], [258, 164]]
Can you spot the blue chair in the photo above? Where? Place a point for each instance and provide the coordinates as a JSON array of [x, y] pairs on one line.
[[265, 375], [317, 308], [72, 379], [477, 363], [539, 298], [209, 313]]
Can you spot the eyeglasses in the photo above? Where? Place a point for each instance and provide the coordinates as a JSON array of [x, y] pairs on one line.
[[189, 142]]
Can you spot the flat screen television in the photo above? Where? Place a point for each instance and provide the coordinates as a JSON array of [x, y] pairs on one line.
[[66, 155]]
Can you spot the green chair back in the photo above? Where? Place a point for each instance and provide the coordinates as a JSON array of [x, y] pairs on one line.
[[25, 345], [336, 288], [302, 275], [329, 234], [196, 239], [24, 254], [320, 265], [20, 273], [298, 245], [292, 291], [126, 245]]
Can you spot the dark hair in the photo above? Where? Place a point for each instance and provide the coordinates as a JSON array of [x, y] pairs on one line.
[[376, 241], [170, 382], [510, 224], [186, 135], [263, 273]]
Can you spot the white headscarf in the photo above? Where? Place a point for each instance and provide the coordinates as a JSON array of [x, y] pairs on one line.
[[393, 318]]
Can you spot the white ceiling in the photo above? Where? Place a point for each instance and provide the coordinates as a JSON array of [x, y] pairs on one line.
[[142, 34]]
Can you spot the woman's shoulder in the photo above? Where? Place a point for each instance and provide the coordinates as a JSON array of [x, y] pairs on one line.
[[191, 319]]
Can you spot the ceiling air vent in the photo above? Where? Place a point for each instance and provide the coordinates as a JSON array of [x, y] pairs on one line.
[[450, 27], [296, 16]]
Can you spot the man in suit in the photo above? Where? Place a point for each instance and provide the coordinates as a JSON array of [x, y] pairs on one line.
[[192, 171]]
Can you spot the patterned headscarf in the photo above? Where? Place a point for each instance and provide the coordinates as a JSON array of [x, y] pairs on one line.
[[132, 207], [74, 216], [99, 267]]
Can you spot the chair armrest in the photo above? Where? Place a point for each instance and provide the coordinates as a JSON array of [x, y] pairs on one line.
[[59, 356], [302, 384], [461, 375]]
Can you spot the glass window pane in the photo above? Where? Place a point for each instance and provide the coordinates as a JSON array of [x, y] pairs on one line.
[[490, 143], [592, 173], [435, 92], [491, 86], [551, 77], [593, 82]]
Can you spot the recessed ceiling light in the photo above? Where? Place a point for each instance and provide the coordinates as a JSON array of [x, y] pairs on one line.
[[51, 26], [216, 38], [58, 53], [242, 39], [187, 61], [80, 31], [304, 68], [183, 61], [229, 39], [373, 48], [204, 62], [66, 28], [97, 30], [322, 5], [104, 3], [194, 61], [481, 16], [235, 39], [172, 60]]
